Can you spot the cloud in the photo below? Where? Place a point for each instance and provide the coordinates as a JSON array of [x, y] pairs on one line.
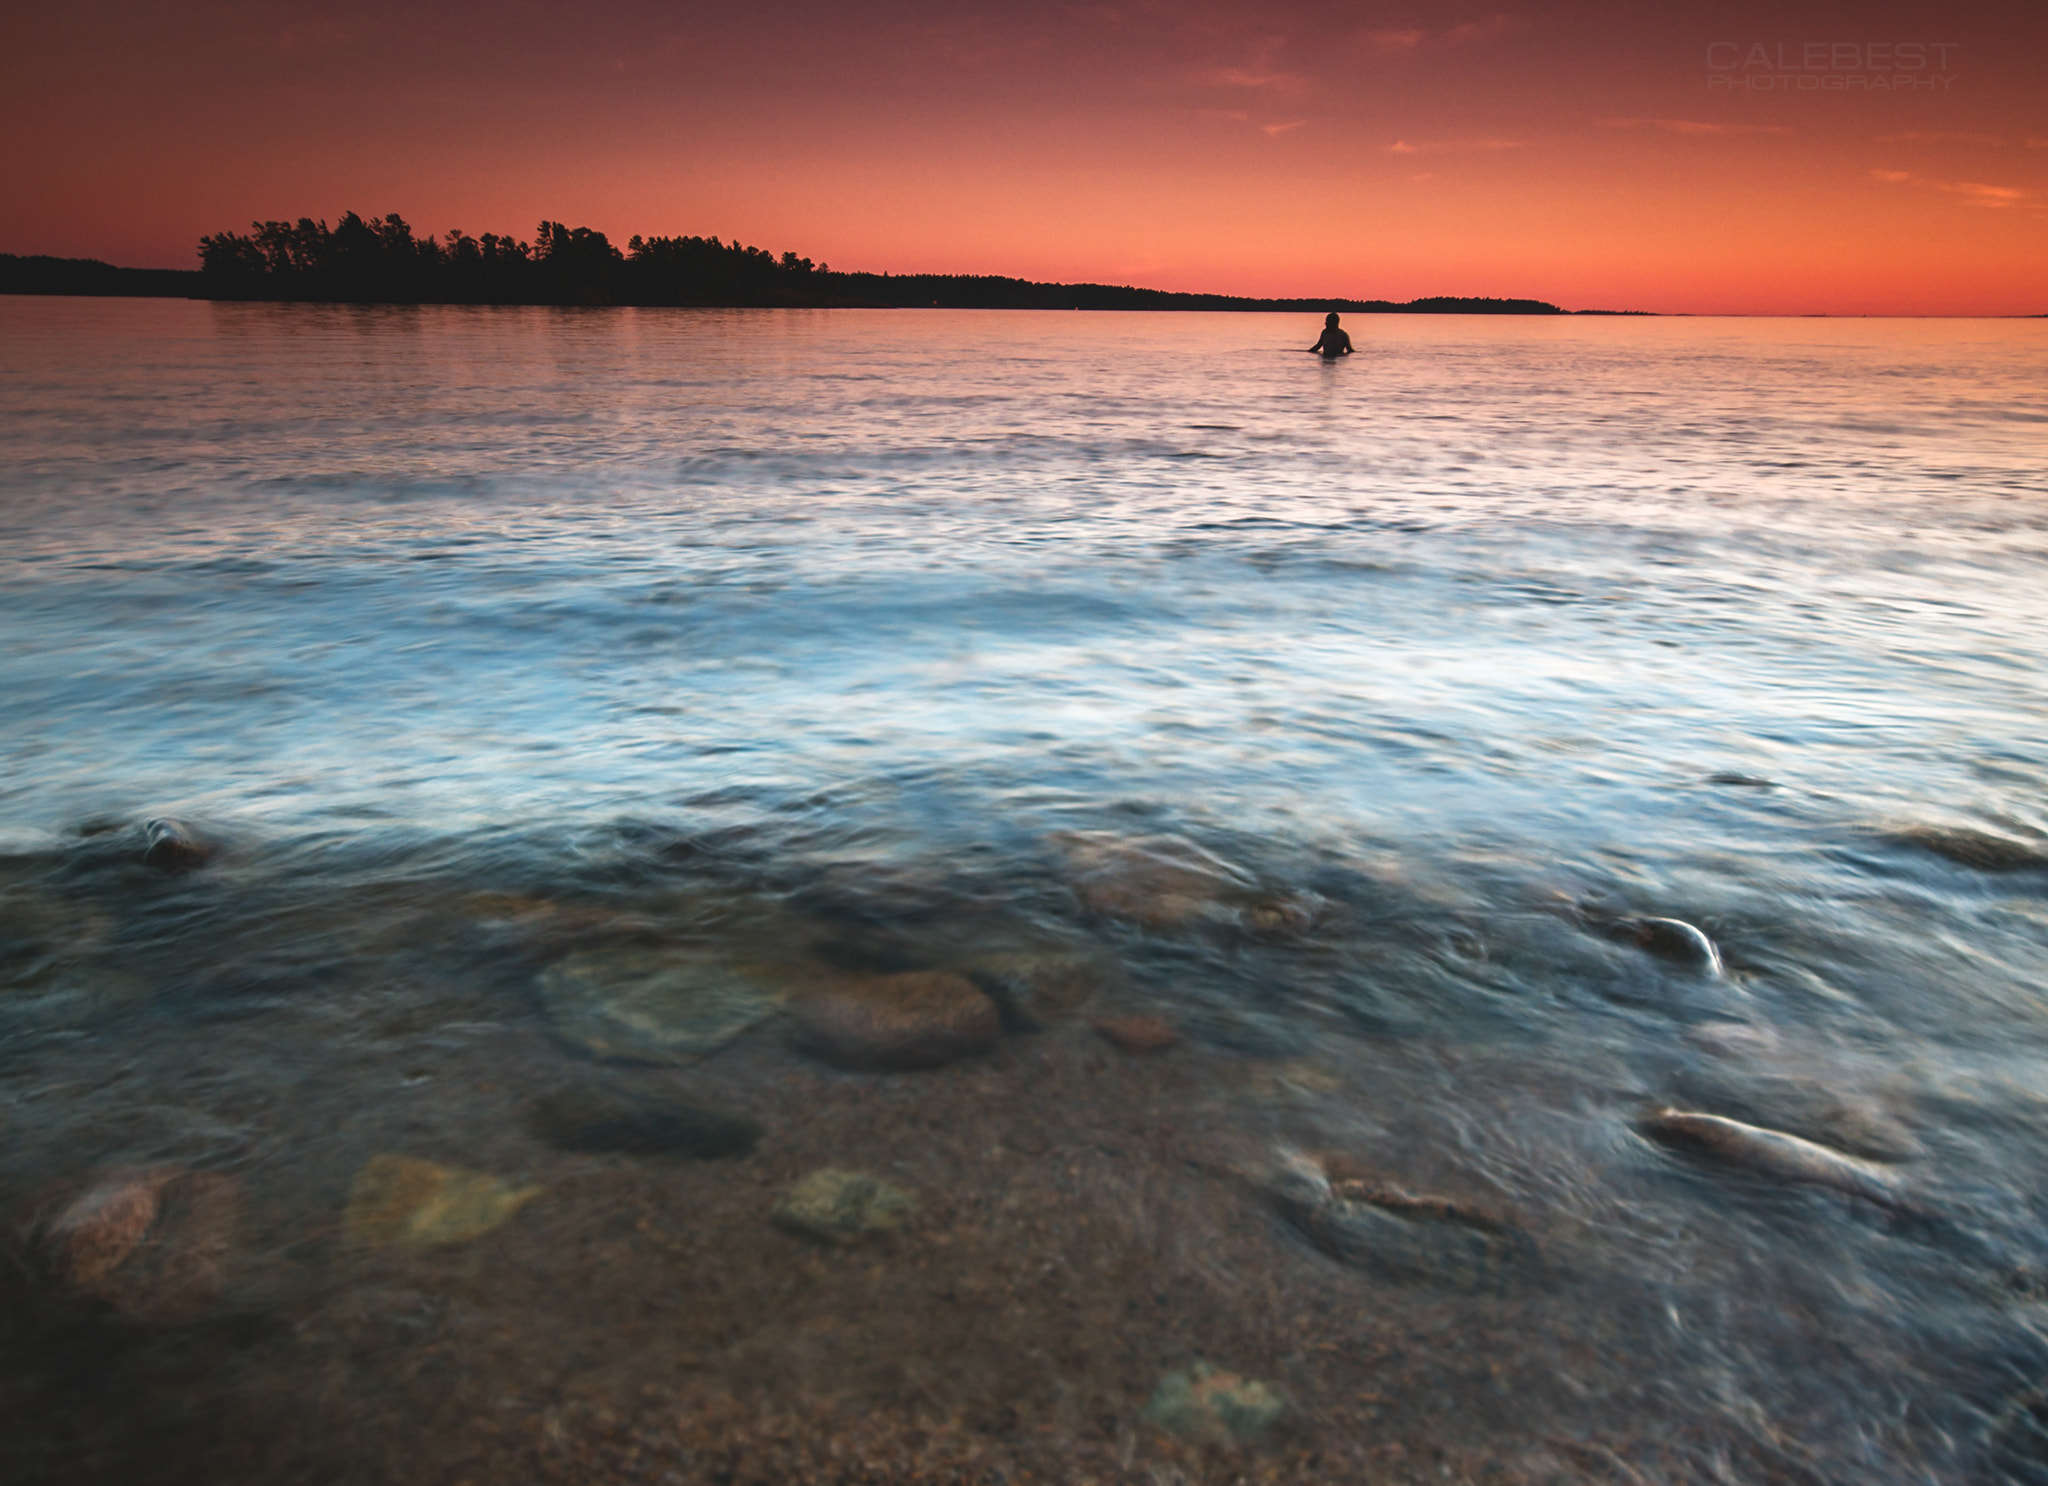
[[1912, 136], [1977, 193], [1274, 131], [1693, 126], [1393, 41], [1248, 77], [1440, 146]]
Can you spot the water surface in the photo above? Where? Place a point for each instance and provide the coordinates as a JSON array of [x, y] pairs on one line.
[[481, 640]]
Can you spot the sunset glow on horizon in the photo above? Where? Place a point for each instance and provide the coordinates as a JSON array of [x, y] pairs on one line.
[[1773, 160]]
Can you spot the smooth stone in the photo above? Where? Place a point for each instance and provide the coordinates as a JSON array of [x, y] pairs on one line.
[[1138, 1035], [102, 1227], [1985, 851], [591, 1118], [398, 1200], [1034, 992], [841, 1207], [895, 1023], [1857, 1123], [1675, 940], [1775, 1153], [1287, 917], [153, 1243], [651, 1004], [1733, 1039], [1208, 1406], [1284, 1080], [1403, 1236], [1160, 882], [174, 846]]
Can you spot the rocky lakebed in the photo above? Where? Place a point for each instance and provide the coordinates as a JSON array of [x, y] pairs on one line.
[[700, 1166]]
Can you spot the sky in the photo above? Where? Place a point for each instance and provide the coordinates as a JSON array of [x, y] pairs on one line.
[[1746, 159]]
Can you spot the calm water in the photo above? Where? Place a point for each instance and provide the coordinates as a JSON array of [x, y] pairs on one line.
[[478, 639]]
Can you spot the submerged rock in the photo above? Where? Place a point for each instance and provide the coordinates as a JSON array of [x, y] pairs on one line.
[[1207, 1406], [1287, 917], [1856, 1122], [589, 1117], [1675, 940], [895, 1023], [1138, 1035], [1401, 1235], [658, 1005], [1284, 1080], [398, 1200], [1984, 851], [102, 1227], [1034, 992], [175, 846], [1774, 1153], [1161, 882], [841, 1207], [153, 1243]]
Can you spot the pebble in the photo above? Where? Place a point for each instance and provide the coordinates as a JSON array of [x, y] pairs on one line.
[[1675, 940], [399, 1200], [1774, 1153], [1139, 1035], [1856, 1122], [1284, 1080], [153, 1243], [589, 1117], [1161, 882], [1404, 1236], [841, 1207], [1208, 1406], [1283, 918], [174, 846], [1985, 851], [1733, 1039], [101, 1228], [1034, 992], [650, 1004], [895, 1023]]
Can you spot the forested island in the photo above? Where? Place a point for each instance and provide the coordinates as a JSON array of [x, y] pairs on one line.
[[379, 260]]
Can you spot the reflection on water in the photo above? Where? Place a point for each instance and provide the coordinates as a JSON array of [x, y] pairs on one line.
[[762, 896]]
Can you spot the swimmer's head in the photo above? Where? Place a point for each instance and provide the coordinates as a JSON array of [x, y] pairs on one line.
[[1331, 319]]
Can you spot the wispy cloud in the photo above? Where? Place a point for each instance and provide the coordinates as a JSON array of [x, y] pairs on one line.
[[1274, 131], [1388, 42], [1692, 126], [1260, 70], [1977, 193], [1912, 136], [1441, 146], [1391, 41], [1248, 77]]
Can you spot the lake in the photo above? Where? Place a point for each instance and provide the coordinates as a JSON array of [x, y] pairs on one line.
[[595, 895]]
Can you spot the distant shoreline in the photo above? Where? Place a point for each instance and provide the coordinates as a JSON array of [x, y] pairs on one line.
[[381, 262], [90, 277]]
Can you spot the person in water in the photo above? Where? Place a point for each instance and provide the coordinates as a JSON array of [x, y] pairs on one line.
[[1335, 342]]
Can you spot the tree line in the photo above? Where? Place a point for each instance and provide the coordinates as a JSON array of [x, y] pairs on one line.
[[380, 260]]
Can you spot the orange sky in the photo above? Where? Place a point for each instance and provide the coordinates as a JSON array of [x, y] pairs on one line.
[[1582, 153]]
